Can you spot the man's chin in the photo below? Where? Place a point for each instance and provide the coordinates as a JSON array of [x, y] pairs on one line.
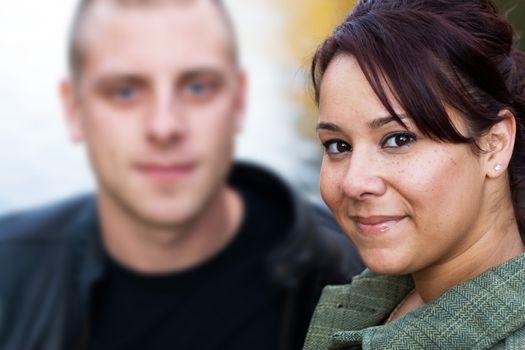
[[166, 217], [165, 207], [152, 209]]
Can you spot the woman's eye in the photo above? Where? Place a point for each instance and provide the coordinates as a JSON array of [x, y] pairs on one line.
[[398, 140], [336, 147]]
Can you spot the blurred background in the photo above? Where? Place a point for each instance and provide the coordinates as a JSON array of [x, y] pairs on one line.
[[277, 39]]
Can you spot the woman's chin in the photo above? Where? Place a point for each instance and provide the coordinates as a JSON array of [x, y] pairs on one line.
[[385, 265]]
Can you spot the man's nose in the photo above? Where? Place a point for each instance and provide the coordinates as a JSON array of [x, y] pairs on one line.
[[363, 177], [166, 122]]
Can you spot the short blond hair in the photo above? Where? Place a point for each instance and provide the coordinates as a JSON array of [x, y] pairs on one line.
[[76, 55]]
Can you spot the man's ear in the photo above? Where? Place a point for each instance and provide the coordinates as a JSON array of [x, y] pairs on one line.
[[499, 144], [240, 103], [71, 110]]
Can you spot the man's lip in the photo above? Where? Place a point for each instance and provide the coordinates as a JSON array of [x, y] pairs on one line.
[[377, 223], [165, 171], [164, 166]]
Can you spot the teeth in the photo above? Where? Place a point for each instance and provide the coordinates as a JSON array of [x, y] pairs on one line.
[[386, 225]]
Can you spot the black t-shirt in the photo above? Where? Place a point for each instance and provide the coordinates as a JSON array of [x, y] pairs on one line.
[[225, 303]]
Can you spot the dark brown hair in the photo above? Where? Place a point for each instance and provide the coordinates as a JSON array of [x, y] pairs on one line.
[[435, 53]]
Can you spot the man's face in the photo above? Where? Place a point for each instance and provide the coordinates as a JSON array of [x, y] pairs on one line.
[[158, 101]]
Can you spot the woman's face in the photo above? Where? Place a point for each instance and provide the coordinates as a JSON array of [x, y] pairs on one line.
[[407, 202]]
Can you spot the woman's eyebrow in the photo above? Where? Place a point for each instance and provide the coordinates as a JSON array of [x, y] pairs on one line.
[[374, 124], [327, 126], [380, 122]]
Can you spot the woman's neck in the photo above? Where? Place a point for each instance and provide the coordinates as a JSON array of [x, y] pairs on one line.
[[498, 242], [433, 282]]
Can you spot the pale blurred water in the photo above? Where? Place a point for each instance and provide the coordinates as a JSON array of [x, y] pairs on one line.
[[38, 163]]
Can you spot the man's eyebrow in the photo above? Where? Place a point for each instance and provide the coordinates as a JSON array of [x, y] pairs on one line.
[[201, 72], [119, 78]]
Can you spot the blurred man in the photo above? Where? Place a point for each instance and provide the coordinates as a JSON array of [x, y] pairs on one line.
[[178, 248]]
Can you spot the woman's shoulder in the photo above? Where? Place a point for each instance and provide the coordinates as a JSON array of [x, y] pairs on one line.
[[515, 341], [364, 303], [368, 291]]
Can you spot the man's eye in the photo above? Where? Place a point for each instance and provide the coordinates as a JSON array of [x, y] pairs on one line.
[[197, 89], [125, 92], [335, 147], [398, 140]]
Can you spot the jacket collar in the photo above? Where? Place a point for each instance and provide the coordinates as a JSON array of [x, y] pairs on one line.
[[88, 248], [288, 261], [478, 313]]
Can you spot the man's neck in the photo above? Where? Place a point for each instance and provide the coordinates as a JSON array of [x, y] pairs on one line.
[[147, 248]]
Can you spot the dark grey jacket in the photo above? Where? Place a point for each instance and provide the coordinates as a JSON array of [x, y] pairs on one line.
[[50, 258]]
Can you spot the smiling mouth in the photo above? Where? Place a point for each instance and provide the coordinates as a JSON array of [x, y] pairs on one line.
[[374, 225]]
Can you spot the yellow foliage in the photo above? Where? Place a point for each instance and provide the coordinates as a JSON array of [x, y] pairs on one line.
[[310, 22]]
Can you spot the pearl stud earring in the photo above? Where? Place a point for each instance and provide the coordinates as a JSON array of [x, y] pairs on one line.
[[498, 167]]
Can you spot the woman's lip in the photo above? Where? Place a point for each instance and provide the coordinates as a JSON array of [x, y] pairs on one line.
[[376, 224]]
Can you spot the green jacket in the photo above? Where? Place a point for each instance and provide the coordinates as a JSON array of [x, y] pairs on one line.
[[487, 312]]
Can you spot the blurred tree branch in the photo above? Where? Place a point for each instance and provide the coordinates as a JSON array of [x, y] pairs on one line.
[[514, 10]]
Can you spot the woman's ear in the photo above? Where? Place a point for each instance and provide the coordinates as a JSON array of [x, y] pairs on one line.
[[499, 144]]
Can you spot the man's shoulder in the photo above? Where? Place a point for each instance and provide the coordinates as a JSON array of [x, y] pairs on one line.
[[314, 244], [325, 220], [333, 251], [50, 221]]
